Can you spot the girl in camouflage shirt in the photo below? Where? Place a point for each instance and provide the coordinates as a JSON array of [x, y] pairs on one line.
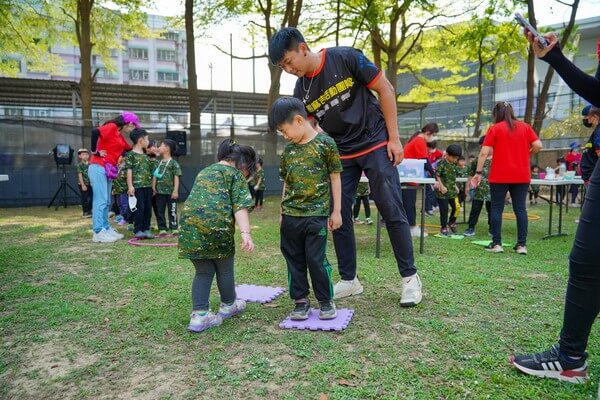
[[218, 200]]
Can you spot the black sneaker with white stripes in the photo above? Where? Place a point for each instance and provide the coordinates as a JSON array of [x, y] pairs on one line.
[[552, 364]]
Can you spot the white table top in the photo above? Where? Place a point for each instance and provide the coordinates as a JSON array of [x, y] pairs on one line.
[[3, 178], [558, 182], [417, 180]]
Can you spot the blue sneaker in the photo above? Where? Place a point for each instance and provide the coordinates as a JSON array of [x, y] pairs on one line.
[[469, 232], [554, 364]]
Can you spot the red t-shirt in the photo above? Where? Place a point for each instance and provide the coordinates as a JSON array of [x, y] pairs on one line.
[[434, 156], [416, 148], [572, 157], [112, 142], [511, 152]]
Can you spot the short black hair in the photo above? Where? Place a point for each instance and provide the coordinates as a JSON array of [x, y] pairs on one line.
[[284, 110], [461, 158], [153, 143], [454, 150], [136, 134], [283, 40], [171, 144]]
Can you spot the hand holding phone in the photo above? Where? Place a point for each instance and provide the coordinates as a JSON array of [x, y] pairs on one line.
[[525, 24]]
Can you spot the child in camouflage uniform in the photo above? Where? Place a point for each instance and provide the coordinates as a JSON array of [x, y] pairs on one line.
[[481, 195], [119, 189], [84, 182], [446, 189], [310, 163], [139, 183], [218, 200], [260, 186], [165, 185], [362, 196]]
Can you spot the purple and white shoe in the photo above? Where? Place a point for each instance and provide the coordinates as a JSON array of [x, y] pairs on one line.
[[201, 321], [227, 311]]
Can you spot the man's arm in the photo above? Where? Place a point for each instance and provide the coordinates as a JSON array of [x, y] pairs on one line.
[[387, 100]]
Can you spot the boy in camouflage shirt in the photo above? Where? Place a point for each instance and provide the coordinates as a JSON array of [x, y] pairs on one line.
[[139, 183], [165, 185], [446, 189], [310, 169], [362, 196], [84, 182], [259, 186], [119, 191], [481, 195]]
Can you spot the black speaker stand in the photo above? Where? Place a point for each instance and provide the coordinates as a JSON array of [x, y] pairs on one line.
[[62, 190]]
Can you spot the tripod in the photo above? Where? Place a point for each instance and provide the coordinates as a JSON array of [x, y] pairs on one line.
[[62, 190]]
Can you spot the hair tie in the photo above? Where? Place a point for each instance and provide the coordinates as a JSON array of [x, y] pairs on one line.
[[506, 104]]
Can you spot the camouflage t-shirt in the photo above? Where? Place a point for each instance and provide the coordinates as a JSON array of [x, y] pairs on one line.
[[362, 189], [482, 191], [207, 222], [305, 169], [260, 175], [120, 184], [82, 168], [141, 167], [167, 170], [447, 173]]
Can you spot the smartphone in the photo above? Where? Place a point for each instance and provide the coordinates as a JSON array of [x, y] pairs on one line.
[[525, 24]]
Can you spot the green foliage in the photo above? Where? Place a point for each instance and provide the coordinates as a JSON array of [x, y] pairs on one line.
[[570, 127]]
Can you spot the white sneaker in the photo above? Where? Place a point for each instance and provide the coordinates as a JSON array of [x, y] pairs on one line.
[[347, 288], [415, 231], [103, 237], [411, 292], [114, 233]]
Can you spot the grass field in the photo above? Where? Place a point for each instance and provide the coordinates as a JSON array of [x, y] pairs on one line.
[[102, 321]]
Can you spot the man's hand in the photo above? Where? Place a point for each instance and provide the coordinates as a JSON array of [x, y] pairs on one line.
[[395, 151]]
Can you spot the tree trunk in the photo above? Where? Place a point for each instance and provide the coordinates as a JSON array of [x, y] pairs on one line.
[[540, 112], [477, 127], [194, 99], [530, 68], [85, 51]]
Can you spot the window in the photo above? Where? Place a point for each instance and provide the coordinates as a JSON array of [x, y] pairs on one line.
[[13, 112], [138, 53], [170, 36], [168, 77], [39, 113], [166, 55], [138, 75]]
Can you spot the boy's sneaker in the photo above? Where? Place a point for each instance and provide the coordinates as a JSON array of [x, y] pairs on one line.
[[235, 308], [203, 320], [469, 232], [301, 310], [103, 237], [494, 248], [429, 212], [357, 221], [347, 288], [114, 233], [444, 232], [140, 235], [122, 222], [552, 364], [119, 218], [162, 232], [87, 215], [175, 232], [411, 292], [520, 249], [452, 227], [369, 221], [327, 310], [574, 205], [111, 214], [129, 227], [148, 234]]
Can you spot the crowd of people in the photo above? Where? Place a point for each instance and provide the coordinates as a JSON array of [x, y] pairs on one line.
[[336, 144]]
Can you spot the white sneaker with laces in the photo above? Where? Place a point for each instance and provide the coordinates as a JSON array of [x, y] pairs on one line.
[[411, 292], [115, 234], [103, 237], [347, 288]]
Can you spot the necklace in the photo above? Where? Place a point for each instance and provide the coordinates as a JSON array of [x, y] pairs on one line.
[[307, 91]]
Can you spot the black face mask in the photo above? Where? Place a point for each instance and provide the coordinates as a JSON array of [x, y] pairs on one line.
[[587, 123]]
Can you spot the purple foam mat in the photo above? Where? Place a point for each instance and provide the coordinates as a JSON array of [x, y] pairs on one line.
[[313, 323], [258, 294]]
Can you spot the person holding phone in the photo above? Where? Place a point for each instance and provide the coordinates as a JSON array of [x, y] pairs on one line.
[[566, 360]]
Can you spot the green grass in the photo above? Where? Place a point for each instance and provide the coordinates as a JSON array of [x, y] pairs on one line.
[[84, 320]]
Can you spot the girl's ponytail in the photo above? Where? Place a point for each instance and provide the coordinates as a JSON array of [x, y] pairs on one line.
[[243, 156], [503, 111]]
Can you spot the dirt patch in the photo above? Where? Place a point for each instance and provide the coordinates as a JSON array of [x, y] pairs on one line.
[[153, 383], [536, 276]]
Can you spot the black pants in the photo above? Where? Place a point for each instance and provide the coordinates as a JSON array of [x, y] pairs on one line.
[[430, 199], [574, 190], [384, 183], [409, 200], [205, 272], [303, 244], [560, 194], [518, 194], [476, 207], [365, 201], [251, 189], [164, 201], [260, 195], [582, 301], [143, 214], [86, 199], [444, 204]]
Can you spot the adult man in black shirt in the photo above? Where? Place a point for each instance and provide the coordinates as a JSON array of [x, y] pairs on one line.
[[589, 156], [335, 86]]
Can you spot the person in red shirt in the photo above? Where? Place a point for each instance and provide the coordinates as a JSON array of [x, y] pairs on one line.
[[108, 144], [513, 142], [573, 159], [434, 156], [416, 148]]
